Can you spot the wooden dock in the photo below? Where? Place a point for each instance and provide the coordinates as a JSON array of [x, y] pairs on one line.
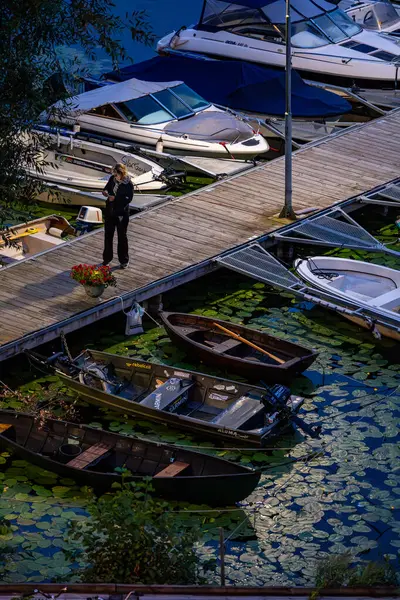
[[176, 242]]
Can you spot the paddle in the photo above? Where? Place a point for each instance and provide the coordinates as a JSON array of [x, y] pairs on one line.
[[238, 337]]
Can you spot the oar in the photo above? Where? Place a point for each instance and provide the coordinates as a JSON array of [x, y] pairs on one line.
[[17, 236], [238, 337]]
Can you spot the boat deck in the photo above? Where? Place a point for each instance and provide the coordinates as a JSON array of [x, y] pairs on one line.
[[176, 242]]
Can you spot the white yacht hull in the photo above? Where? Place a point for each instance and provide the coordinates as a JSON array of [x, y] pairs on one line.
[[332, 63]]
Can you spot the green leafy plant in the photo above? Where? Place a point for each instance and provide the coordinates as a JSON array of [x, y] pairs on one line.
[[340, 570], [36, 62], [132, 537]]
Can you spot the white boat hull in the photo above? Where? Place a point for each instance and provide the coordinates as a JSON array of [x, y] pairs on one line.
[[331, 63], [87, 166], [373, 288], [182, 144]]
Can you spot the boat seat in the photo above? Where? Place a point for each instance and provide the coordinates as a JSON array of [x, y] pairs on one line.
[[189, 330], [4, 427], [170, 391], [388, 301], [88, 456], [173, 469], [239, 413], [228, 344]]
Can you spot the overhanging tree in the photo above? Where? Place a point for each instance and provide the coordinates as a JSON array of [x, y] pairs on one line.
[[33, 34]]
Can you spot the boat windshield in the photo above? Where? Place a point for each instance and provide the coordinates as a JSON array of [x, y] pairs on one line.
[[163, 106], [331, 27], [380, 15]]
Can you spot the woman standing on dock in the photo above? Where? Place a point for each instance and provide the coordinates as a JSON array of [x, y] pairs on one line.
[[119, 193]]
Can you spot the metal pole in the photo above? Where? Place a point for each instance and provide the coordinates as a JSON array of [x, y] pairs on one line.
[[222, 555], [287, 210]]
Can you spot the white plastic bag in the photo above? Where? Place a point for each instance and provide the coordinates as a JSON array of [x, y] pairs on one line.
[[134, 320]]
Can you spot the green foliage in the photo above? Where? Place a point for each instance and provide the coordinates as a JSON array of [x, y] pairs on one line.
[[34, 63], [339, 570], [133, 538]]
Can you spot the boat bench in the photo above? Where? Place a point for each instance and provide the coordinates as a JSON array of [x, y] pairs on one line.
[[170, 392], [226, 345], [388, 301], [89, 456], [238, 413], [173, 469]]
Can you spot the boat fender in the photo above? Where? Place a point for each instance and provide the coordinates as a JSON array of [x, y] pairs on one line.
[[160, 145], [55, 232]]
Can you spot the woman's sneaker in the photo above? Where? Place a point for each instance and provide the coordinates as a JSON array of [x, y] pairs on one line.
[[124, 265]]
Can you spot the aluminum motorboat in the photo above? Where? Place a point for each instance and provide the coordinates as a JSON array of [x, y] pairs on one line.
[[327, 45], [69, 161], [372, 287], [167, 115]]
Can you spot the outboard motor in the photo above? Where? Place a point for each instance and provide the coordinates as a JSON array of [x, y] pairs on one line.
[[88, 218], [276, 396]]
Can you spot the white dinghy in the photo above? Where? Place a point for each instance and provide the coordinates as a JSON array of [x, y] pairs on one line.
[[33, 237], [370, 286], [84, 165], [167, 115]]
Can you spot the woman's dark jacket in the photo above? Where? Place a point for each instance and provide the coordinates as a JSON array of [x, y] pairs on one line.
[[123, 196]]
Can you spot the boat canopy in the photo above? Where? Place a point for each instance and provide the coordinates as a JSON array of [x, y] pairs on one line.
[[220, 13], [238, 85], [111, 94]]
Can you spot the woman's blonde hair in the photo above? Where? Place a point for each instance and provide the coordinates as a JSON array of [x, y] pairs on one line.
[[121, 169]]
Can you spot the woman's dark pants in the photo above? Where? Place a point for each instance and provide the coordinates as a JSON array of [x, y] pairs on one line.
[[121, 225]]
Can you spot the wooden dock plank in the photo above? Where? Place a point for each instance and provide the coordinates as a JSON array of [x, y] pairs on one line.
[[38, 293]]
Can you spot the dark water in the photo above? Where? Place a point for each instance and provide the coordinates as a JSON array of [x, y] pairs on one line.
[[316, 497], [164, 16]]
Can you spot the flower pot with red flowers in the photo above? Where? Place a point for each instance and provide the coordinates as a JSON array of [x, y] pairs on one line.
[[94, 279]]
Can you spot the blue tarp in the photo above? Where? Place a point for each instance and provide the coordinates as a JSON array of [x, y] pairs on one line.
[[238, 85]]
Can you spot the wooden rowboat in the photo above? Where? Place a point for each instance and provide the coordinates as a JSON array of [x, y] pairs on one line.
[[202, 338], [91, 456]]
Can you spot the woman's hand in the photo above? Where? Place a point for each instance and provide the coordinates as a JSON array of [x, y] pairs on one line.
[[111, 198], [104, 193]]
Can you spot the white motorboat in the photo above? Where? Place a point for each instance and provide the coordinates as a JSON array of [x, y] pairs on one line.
[[374, 15], [327, 45], [33, 237], [169, 116], [374, 288], [81, 164]]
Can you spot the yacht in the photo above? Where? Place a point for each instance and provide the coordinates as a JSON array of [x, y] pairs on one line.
[[169, 116], [327, 45], [379, 15]]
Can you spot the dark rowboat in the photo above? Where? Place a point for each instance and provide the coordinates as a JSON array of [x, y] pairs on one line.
[[195, 402], [90, 456], [203, 340]]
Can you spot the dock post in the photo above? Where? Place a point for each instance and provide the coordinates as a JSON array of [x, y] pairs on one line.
[[153, 305]]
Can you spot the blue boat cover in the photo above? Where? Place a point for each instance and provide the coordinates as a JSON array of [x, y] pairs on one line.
[[238, 85]]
